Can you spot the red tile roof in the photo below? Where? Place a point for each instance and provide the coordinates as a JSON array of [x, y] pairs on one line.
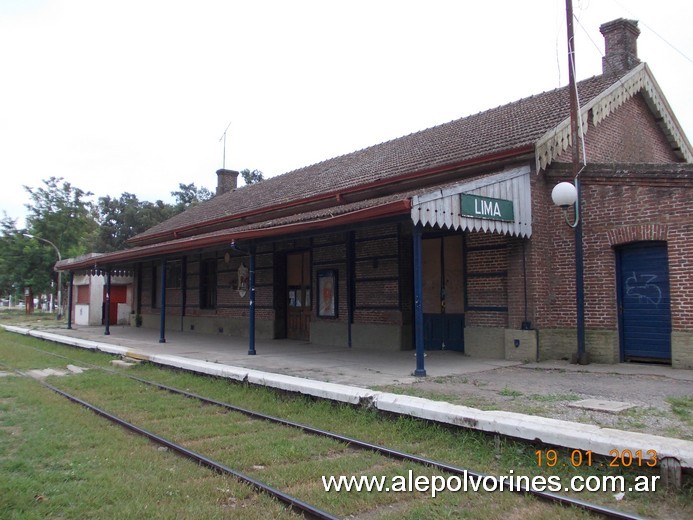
[[508, 127]]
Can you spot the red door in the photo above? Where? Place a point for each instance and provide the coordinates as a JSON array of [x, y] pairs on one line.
[[119, 294]]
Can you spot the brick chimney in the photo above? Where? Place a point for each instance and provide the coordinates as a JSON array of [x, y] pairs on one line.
[[227, 180], [620, 46]]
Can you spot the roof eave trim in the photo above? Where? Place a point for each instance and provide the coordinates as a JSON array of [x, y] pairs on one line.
[[558, 139], [509, 153], [398, 207]]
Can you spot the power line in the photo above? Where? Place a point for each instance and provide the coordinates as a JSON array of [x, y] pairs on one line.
[[634, 15]]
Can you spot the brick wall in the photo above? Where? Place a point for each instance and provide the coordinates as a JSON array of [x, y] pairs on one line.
[[229, 302], [621, 206], [377, 267], [642, 195], [628, 135], [486, 276]]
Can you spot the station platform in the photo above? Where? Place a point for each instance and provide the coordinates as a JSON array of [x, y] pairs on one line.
[[353, 376]]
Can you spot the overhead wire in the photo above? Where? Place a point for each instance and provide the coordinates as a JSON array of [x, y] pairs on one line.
[[649, 28]]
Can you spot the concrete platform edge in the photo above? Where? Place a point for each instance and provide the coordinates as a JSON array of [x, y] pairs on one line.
[[527, 427]]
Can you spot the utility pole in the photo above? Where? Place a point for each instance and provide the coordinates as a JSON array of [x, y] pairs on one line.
[[581, 355]]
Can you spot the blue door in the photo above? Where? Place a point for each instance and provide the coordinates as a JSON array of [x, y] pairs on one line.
[[644, 303]]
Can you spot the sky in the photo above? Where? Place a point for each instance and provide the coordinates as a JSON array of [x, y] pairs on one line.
[[136, 95]]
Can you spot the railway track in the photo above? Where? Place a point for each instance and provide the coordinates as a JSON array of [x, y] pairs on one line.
[[178, 419]]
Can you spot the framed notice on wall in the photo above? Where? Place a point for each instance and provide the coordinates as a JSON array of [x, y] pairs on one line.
[[327, 293]]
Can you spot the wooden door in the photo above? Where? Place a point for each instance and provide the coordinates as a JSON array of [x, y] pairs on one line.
[[443, 292], [299, 295]]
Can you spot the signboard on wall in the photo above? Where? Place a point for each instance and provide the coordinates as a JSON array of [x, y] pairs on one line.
[[486, 207]]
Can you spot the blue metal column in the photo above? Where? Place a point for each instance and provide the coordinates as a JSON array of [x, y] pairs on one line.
[[138, 310], [69, 300], [162, 319], [251, 308], [184, 291], [107, 332], [351, 287], [418, 303]]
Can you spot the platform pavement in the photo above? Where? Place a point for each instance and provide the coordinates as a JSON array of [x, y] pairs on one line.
[[348, 375]]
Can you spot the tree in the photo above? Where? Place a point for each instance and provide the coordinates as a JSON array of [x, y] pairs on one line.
[[252, 177], [61, 213], [123, 218], [24, 262], [189, 195], [11, 258], [58, 213]]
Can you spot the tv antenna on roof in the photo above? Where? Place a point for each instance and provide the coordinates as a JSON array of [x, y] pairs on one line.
[[223, 136]]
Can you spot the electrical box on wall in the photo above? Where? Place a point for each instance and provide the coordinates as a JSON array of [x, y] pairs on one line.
[[521, 345]]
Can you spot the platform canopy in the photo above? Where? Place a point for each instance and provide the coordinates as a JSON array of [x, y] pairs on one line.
[[499, 202]]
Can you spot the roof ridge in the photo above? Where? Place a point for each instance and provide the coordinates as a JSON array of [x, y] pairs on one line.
[[439, 125], [513, 125]]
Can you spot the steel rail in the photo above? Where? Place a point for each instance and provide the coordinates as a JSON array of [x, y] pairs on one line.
[[396, 454], [401, 455], [294, 503]]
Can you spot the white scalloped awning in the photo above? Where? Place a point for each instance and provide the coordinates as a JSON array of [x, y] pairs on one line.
[[442, 207]]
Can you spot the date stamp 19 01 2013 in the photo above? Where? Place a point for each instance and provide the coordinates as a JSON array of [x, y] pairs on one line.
[[551, 458]]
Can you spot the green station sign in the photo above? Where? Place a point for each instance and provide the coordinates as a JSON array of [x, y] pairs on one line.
[[486, 207]]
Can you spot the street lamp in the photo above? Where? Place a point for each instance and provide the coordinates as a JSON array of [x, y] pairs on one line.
[[565, 195], [60, 291]]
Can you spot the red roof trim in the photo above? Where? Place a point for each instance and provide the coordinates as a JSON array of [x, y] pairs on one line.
[[398, 207]]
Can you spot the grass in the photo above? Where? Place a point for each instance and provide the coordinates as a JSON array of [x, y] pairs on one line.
[[553, 398], [508, 392], [58, 460], [417, 392], [37, 319], [682, 407]]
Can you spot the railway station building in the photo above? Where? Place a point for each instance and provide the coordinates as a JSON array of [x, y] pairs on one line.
[[448, 238]]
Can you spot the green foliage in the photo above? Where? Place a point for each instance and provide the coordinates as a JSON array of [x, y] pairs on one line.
[[59, 214], [62, 214], [24, 262], [121, 219], [509, 392], [682, 407], [252, 177], [189, 195]]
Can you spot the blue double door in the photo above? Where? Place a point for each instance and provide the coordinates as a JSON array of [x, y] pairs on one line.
[[644, 304]]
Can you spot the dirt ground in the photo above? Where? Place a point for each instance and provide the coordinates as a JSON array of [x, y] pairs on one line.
[[662, 405]]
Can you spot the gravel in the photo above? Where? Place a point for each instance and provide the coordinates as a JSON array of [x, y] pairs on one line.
[[662, 405]]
